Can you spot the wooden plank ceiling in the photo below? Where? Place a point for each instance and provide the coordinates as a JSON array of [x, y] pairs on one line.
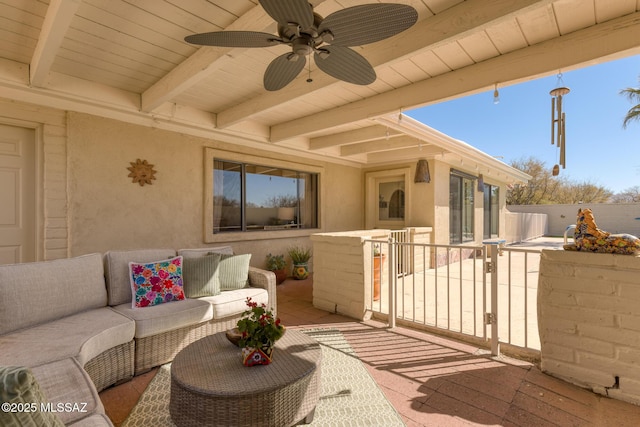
[[127, 59]]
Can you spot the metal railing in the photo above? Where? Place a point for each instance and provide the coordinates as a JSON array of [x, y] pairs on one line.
[[485, 294], [403, 257]]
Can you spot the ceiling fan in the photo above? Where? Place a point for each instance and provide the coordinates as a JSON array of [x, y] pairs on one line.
[[327, 38]]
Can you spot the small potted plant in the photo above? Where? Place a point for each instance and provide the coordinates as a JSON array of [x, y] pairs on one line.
[[259, 330], [278, 265], [300, 257]]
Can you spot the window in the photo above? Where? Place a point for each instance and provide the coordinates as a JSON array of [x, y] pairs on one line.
[[491, 211], [391, 200], [387, 201], [251, 197], [461, 190]]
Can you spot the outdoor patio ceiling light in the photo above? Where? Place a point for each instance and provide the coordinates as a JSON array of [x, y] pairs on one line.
[[496, 95], [422, 172]]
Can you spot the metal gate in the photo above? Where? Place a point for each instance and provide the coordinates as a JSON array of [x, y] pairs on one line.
[[459, 290]]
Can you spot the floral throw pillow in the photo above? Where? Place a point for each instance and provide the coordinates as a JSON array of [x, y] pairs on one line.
[[157, 282]]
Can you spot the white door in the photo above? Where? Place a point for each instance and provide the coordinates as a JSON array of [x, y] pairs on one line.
[[17, 195]]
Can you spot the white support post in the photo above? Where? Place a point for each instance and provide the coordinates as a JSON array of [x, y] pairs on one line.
[[494, 247], [392, 282], [495, 340]]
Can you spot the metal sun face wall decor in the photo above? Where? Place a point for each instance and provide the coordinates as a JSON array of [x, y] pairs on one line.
[[141, 172]]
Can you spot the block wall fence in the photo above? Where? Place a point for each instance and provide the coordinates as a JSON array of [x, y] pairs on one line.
[[343, 268], [589, 321], [611, 217]]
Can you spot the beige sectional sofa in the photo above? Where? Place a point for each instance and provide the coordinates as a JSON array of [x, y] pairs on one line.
[[72, 323]]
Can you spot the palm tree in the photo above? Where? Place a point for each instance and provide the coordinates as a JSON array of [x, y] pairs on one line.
[[633, 94]]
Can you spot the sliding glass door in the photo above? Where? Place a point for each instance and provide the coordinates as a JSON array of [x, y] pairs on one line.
[[461, 207]]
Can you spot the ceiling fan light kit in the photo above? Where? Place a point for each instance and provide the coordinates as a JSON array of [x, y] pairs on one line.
[[329, 39]]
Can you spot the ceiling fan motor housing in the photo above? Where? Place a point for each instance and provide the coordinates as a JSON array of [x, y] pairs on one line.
[[303, 45]]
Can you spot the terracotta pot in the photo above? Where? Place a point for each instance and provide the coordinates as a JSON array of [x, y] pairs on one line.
[[281, 275], [378, 261]]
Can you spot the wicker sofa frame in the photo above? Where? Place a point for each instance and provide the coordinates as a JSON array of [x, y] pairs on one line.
[[159, 349], [121, 362]]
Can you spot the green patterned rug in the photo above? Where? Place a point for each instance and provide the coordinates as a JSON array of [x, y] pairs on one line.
[[349, 395]]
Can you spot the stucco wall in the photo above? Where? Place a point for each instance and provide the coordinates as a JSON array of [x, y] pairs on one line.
[[440, 179], [611, 217], [589, 321], [108, 211]]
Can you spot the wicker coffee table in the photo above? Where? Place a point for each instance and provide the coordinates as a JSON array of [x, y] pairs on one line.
[[210, 386]]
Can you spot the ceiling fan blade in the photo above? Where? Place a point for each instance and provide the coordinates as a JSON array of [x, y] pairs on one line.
[[234, 39], [283, 70], [345, 64], [289, 11], [368, 23]]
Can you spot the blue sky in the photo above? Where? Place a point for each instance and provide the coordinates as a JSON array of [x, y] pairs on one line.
[[599, 150]]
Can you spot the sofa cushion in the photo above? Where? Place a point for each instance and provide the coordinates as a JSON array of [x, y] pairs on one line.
[[65, 383], [199, 252], [18, 386], [200, 276], [156, 282], [232, 303], [166, 317], [116, 270], [39, 292], [83, 336], [95, 420], [233, 272]]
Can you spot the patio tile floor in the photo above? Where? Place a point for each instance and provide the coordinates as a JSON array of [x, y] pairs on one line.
[[434, 381]]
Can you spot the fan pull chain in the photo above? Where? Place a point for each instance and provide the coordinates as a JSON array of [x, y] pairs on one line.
[[309, 80]]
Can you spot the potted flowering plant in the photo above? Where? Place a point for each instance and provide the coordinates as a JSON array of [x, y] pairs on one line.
[[300, 257], [259, 330]]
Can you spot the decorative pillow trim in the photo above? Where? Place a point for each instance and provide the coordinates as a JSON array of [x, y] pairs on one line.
[[156, 282]]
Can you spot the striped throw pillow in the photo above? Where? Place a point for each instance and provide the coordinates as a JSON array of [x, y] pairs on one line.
[[233, 272], [201, 276]]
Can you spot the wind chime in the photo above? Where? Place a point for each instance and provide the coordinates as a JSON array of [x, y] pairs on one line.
[[558, 124]]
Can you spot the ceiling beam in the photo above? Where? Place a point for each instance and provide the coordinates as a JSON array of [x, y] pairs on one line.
[[611, 39], [388, 145], [353, 136], [407, 153], [55, 26], [202, 63], [437, 30]]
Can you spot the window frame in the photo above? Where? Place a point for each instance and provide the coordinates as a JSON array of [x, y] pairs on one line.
[[210, 236], [463, 214], [372, 203], [491, 216]]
